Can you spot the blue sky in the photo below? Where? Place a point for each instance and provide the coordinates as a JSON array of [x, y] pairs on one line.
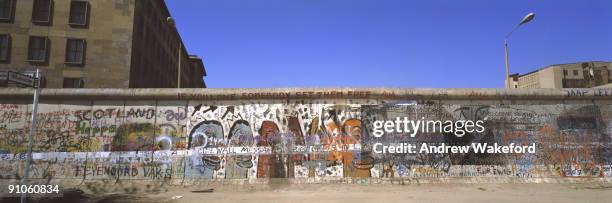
[[386, 43]]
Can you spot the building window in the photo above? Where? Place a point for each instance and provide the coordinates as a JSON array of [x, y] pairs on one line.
[[78, 13], [73, 83], [565, 73], [6, 10], [38, 49], [575, 72], [42, 11], [5, 48], [75, 51]]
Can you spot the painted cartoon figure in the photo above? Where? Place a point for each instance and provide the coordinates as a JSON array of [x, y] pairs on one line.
[[356, 164], [312, 142], [207, 134], [295, 158], [333, 141], [270, 166], [240, 135]]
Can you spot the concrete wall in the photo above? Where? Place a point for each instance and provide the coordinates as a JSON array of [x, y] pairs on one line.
[[165, 136]]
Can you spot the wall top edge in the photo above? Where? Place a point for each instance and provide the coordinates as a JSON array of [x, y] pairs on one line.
[[313, 93]]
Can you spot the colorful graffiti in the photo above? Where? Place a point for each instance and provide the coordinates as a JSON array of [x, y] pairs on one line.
[[315, 139]]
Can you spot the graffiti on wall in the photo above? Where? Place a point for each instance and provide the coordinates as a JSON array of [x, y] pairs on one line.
[[319, 139]]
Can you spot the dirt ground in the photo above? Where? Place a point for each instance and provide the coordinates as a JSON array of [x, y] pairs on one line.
[[351, 193], [409, 193]]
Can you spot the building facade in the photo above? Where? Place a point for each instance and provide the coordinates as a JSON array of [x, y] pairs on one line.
[[96, 44], [571, 75]]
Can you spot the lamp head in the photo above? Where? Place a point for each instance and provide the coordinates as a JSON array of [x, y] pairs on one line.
[[170, 21], [529, 17]]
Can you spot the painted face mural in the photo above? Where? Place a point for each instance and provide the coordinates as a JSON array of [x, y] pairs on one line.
[[208, 134], [240, 135], [333, 141], [358, 164], [343, 133], [269, 134], [296, 130], [331, 138], [270, 166], [296, 158], [99, 140], [352, 129]]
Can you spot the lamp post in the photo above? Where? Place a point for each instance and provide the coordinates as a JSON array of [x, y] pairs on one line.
[[529, 17], [172, 23]]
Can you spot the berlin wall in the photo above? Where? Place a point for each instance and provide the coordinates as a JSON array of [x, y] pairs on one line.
[[101, 137]]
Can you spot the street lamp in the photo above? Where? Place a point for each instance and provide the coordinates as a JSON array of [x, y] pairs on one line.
[[172, 23], [529, 17]]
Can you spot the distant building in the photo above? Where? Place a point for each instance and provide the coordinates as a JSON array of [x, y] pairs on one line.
[[96, 44], [571, 75]]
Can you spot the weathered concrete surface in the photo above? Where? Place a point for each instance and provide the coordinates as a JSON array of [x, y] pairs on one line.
[[315, 93], [145, 139]]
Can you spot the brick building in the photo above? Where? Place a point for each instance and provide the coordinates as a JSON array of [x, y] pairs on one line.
[[572, 75], [96, 44]]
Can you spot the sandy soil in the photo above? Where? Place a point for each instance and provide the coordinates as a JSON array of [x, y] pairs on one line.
[[352, 193], [410, 193]]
